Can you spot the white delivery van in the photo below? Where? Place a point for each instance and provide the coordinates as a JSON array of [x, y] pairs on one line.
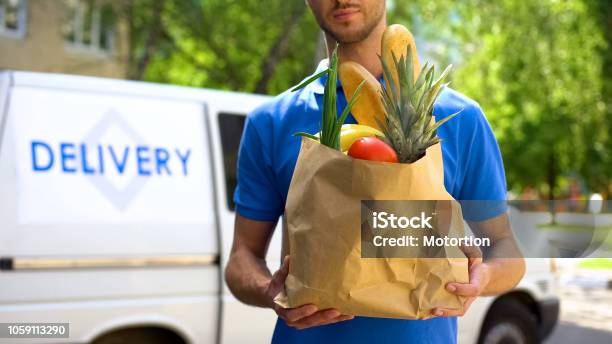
[[116, 217]]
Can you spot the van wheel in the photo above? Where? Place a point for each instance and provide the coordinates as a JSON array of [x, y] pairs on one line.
[[148, 335], [509, 322]]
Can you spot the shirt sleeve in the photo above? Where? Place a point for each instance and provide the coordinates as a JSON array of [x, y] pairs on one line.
[[256, 196], [483, 191]]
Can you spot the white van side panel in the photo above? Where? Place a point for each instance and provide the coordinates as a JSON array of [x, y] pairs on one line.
[[58, 257], [86, 168], [187, 316], [240, 323], [5, 84]]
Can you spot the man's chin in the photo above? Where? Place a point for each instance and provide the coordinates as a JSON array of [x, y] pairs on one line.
[[349, 36]]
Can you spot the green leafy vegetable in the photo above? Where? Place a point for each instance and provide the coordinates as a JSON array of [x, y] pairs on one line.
[[331, 125]]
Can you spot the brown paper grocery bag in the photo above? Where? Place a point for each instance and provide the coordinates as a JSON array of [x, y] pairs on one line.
[[321, 233]]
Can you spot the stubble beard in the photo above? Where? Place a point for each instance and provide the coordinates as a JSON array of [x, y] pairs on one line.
[[353, 37]]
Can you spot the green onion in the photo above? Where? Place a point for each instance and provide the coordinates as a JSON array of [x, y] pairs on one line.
[[331, 125]]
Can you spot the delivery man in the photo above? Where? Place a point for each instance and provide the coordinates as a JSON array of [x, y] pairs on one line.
[[473, 170]]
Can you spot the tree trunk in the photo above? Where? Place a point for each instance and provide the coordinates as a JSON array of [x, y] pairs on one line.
[[552, 182], [128, 8], [278, 49], [151, 42]]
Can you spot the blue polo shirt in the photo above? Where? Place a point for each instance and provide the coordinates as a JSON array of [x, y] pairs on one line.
[[473, 170]]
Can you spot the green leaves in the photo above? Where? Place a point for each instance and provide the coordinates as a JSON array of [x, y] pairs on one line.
[[310, 136], [537, 73], [350, 104], [207, 43], [331, 125], [309, 80]]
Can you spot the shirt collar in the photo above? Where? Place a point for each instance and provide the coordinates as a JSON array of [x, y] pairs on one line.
[[318, 86]]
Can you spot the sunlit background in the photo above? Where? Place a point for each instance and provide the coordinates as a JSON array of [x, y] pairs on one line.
[[540, 69]]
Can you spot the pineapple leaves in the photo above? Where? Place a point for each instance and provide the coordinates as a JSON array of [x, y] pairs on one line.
[[409, 100]]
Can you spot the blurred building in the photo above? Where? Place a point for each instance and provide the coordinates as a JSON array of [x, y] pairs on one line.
[[63, 36]]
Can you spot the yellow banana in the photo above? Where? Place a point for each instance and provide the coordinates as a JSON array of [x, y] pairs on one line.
[[349, 133], [352, 132]]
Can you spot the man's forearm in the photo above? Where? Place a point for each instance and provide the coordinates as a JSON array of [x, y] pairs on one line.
[[505, 271], [247, 276], [503, 261]]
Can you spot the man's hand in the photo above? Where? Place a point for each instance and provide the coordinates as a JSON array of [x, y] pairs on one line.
[[502, 270], [249, 279], [304, 316], [479, 278]]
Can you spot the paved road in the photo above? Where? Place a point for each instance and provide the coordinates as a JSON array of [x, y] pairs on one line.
[[586, 309], [570, 333]]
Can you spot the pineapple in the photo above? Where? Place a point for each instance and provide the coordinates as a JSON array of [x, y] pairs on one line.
[[409, 126]]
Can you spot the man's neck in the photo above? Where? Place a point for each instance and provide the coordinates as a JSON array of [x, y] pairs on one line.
[[364, 52]]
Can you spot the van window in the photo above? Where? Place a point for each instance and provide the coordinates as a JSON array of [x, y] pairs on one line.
[[231, 126]]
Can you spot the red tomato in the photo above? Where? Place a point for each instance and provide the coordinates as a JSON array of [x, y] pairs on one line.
[[372, 148]]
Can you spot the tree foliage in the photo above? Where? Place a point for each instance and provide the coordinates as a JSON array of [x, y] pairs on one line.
[[240, 45], [541, 70], [536, 68]]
